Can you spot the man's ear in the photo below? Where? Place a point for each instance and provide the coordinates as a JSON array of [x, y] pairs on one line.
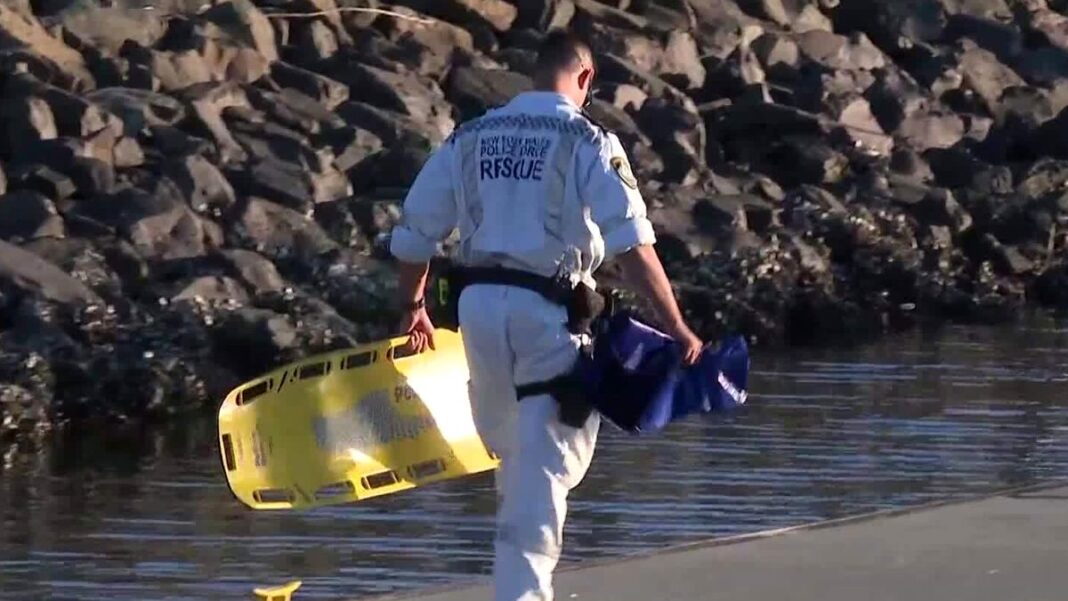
[[584, 78]]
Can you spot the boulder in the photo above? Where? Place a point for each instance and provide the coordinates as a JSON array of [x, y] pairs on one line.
[[25, 119], [209, 289], [158, 224], [497, 14], [923, 130], [251, 341], [290, 184], [27, 215], [834, 52], [474, 91], [893, 26], [74, 116], [429, 48], [205, 187], [389, 126], [83, 260], [986, 77], [278, 232], [544, 15], [678, 135], [18, 30], [138, 109], [246, 25], [406, 93], [207, 102], [328, 92], [22, 272], [253, 270]]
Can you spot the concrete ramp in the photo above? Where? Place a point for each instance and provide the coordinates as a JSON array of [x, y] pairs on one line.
[[1009, 547]]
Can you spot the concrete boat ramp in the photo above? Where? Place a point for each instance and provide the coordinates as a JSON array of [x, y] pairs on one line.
[[1012, 546]]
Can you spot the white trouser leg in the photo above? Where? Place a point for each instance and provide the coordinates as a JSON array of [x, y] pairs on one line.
[[514, 336]]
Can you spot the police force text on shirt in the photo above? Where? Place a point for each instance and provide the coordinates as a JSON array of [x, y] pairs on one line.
[[512, 157]]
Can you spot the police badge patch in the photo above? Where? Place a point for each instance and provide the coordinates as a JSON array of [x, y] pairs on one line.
[[622, 168]]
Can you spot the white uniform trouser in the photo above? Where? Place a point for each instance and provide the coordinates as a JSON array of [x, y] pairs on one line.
[[514, 336]]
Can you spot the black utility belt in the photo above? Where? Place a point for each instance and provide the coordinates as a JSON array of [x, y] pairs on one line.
[[584, 304]]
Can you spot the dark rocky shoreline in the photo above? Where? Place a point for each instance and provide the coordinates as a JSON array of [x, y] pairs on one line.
[[193, 193]]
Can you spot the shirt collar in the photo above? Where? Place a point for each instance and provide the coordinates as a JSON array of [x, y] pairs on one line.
[[541, 101]]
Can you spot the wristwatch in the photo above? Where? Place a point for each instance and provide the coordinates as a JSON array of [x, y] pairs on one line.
[[415, 305]]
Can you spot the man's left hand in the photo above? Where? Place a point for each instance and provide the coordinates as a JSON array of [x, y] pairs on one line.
[[420, 330]]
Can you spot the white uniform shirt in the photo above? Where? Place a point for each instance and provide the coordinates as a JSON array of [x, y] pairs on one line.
[[531, 185]]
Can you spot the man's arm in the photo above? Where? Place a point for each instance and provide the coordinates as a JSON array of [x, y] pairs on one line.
[[619, 210], [429, 215]]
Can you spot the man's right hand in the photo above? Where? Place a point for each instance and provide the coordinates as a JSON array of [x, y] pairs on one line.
[[642, 270], [690, 343]]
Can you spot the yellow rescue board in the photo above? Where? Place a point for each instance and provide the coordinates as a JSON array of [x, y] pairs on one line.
[[351, 425]]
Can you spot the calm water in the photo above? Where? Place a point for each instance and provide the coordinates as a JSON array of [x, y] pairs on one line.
[[827, 433]]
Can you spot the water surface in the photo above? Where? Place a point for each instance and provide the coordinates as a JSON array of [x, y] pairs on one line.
[[928, 416]]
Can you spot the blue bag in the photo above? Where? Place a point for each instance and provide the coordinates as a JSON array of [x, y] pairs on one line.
[[634, 376]]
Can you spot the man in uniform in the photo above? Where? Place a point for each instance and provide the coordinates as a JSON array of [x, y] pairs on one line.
[[533, 187]]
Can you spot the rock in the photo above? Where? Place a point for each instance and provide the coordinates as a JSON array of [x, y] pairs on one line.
[[23, 272], [26, 215], [389, 126], [26, 119], [680, 64], [1044, 178], [1051, 138], [247, 25], [474, 91], [294, 109], [984, 75], [171, 141], [393, 168], [859, 126], [250, 341], [1003, 39], [1008, 260], [353, 146], [82, 260], [923, 130], [497, 14], [779, 55], [718, 215], [544, 15], [677, 134], [253, 270], [315, 40], [44, 180], [279, 232], [893, 26], [211, 289], [25, 31], [937, 206], [74, 116], [127, 153], [328, 92], [835, 52], [92, 177], [429, 48], [205, 187], [405, 93], [291, 184], [106, 29], [159, 225], [623, 96], [138, 109], [207, 102], [618, 70]]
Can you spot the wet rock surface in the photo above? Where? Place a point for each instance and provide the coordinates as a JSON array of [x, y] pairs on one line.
[[189, 198]]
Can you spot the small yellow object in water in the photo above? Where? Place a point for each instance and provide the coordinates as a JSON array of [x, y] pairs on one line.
[[277, 593]]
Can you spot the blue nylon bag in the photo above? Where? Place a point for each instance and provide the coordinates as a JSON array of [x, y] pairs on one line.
[[634, 376]]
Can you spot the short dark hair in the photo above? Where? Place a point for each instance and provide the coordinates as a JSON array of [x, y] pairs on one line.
[[559, 51]]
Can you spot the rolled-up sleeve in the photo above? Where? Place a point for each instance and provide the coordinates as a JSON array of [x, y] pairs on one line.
[[611, 193], [429, 211]]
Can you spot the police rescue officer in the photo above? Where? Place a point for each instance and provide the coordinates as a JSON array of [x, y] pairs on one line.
[[537, 192]]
